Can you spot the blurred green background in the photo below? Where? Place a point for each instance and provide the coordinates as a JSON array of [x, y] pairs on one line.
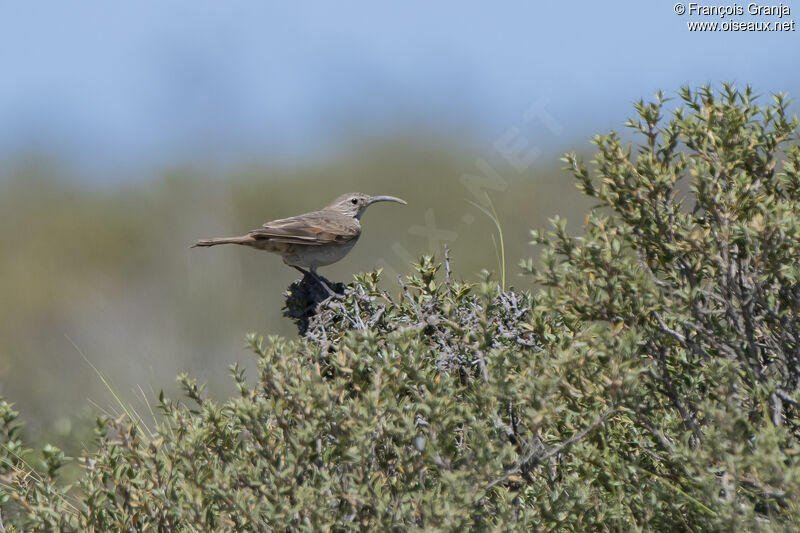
[[109, 268], [129, 130]]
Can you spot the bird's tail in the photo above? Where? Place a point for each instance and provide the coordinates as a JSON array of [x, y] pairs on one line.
[[244, 239]]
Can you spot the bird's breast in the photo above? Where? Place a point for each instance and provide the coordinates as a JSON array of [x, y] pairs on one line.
[[316, 256]]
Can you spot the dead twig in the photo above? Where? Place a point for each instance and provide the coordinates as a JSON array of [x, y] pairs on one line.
[[533, 457]]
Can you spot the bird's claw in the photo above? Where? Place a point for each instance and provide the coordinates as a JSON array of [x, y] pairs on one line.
[[331, 293]]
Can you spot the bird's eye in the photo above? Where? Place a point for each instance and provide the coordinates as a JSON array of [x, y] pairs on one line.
[[354, 201]]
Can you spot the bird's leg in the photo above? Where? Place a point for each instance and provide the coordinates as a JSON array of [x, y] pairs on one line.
[[313, 273], [304, 271], [332, 294]]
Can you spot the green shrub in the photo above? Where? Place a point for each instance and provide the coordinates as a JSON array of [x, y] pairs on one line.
[[651, 383], [695, 245]]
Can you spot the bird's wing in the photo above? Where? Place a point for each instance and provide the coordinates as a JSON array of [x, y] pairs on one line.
[[317, 228]]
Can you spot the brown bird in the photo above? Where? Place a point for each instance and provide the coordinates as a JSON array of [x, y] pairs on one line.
[[313, 239]]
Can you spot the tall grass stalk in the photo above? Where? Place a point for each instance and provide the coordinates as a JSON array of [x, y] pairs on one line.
[[129, 412], [492, 214]]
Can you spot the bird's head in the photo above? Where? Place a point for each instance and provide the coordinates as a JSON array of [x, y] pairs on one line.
[[354, 203]]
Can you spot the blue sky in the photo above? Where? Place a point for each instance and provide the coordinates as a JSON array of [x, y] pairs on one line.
[[128, 88]]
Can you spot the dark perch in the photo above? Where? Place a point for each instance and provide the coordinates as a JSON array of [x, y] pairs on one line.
[[302, 298]]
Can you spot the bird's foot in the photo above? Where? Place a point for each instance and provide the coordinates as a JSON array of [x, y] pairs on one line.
[[331, 292], [311, 275], [305, 298]]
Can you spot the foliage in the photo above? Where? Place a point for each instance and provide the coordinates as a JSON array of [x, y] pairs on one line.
[[695, 245], [650, 384]]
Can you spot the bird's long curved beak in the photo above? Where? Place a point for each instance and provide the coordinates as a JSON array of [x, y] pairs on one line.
[[374, 199]]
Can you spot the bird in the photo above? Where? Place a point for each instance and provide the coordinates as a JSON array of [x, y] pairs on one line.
[[314, 239]]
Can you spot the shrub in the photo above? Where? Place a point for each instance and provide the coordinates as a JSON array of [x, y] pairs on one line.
[[651, 383], [694, 245], [420, 412]]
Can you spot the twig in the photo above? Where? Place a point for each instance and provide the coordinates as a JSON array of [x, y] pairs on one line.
[[446, 265], [377, 316], [346, 315], [408, 295], [358, 314], [672, 393], [667, 329], [654, 430], [531, 456], [482, 366]]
